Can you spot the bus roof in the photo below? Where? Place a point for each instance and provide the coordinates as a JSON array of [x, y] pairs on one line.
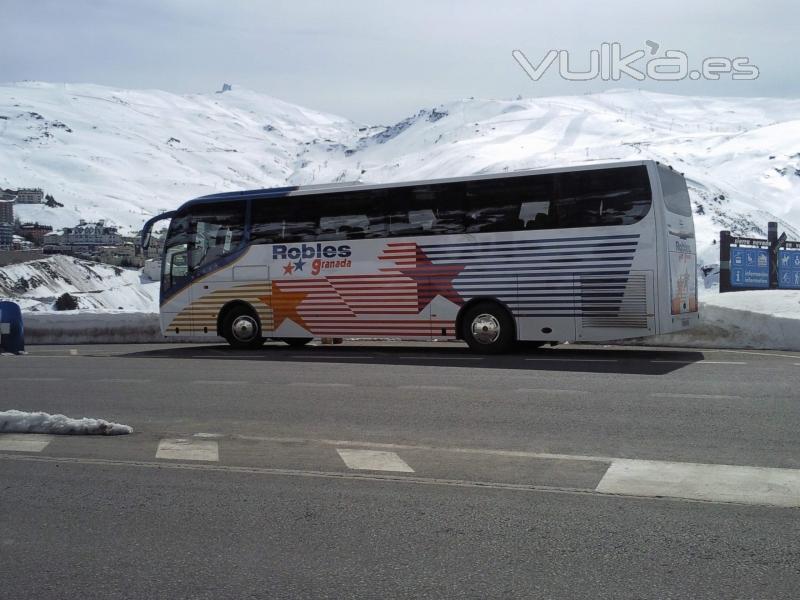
[[301, 190]]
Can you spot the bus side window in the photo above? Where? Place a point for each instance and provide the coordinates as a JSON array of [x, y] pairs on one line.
[[493, 205], [618, 196], [438, 209], [217, 230], [536, 215]]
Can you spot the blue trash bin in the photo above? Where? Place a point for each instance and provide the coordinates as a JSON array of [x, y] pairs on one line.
[[12, 332]]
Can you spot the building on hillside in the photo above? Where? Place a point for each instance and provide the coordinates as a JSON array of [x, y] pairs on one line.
[[34, 232], [8, 195], [30, 196], [123, 255], [20, 243], [6, 235], [6, 211], [91, 234]]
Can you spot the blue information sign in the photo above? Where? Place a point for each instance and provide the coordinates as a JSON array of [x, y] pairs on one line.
[[789, 269], [750, 267]]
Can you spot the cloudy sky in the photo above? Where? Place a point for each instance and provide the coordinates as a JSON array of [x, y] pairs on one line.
[[378, 61]]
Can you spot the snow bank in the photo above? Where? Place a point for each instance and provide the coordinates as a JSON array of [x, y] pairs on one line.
[[15, 421], [764, 319]]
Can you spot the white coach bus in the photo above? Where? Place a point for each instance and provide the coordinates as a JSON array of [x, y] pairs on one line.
[[589, 253]]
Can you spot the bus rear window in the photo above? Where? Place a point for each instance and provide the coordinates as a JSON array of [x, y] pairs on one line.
[[676, 196]]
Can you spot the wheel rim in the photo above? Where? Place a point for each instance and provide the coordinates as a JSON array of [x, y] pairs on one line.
[[485, 329], [244, 328]]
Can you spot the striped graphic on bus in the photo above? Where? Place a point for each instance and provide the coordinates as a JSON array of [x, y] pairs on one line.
[[553, 277], [542, 278]]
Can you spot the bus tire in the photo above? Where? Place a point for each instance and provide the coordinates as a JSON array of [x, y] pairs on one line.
[[242, 328], [296, 342], [488, 328]]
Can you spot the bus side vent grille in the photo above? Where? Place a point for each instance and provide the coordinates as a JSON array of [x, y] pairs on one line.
[[610, 304]]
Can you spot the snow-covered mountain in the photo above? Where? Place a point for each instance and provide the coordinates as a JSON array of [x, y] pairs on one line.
[[124, 155]]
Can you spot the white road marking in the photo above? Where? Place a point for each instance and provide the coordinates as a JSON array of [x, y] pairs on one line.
[[373, 460], [219, 382], [698, 396], [550, 391], [390, 446], [786, 496], [122, 380], [441, 357], [24, 442], [569, 360], [73, 351], [186, 449], [720, 483], [756, 353], [700, 362], [313, 384], [429, 387], [34, 378], [321, 355], [721, 362], [208, 435]]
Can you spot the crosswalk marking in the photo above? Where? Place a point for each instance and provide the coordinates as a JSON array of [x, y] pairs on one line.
[[618, 476], [373, 460], [188, 449], [24, 442], [720, 483]]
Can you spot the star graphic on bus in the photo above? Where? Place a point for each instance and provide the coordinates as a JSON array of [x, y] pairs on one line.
[[298, 266], [288, 269], [433, 280], [284, 304]]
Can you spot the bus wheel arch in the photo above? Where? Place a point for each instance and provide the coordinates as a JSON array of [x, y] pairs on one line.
[[490, 317], [239, 323]]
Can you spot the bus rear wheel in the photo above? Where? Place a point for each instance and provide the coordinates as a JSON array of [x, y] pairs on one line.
[[242, 329], [488, 328]]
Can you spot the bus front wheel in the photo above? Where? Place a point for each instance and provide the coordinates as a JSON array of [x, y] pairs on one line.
[[242, 329], [488, 328]]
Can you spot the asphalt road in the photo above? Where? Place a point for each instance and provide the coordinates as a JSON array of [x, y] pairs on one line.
[[371, 470]]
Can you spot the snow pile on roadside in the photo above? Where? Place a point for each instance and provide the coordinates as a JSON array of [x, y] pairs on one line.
[[763, 319], [16, 421]]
